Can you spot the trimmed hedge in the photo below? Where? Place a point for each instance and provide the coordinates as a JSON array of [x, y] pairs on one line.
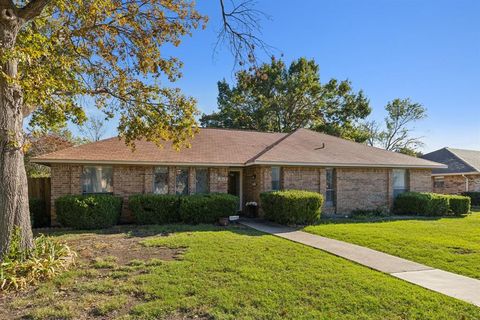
[[207, 208], [154, 209], [431, 204], [38, 213], [88, 211], [191, 209], [474, 197], [421, 203], [292, 206], [459, 204]]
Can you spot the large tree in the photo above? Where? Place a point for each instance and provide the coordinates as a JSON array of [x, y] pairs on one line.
[[274, 97], [397, 132], [54, 52]]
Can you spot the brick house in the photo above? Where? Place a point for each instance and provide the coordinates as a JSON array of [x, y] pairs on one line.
[[245, 163], [462, 173]]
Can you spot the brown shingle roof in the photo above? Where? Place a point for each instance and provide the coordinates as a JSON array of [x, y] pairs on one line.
[[209, 146], [306, 147], [237, 147], [459, 161]]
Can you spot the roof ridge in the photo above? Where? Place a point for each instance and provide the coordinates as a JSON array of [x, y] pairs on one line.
[[362, 144], [271, 146], [242, 130]]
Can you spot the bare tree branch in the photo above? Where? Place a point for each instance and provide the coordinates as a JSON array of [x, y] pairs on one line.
[[241, 31]]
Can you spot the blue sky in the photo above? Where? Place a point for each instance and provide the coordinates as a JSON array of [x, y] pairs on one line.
[[423, 49]]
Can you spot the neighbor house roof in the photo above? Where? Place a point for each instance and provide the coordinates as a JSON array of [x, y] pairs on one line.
[[217, 147], [459, 161]]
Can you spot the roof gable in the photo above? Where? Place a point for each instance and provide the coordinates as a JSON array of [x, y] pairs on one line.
[[306, 147], [458, 160]]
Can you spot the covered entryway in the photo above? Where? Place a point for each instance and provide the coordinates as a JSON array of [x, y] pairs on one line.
[[235, 185]]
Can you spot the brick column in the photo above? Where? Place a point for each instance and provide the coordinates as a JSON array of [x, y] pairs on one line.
[[148, 178], [171, 180], [192, 182]]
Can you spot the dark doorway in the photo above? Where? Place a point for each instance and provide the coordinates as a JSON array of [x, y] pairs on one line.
[[234, 183]]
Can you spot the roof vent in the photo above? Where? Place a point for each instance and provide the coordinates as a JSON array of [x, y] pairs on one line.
[[322, 147]]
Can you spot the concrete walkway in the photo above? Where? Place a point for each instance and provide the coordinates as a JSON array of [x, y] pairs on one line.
[[450, 284]]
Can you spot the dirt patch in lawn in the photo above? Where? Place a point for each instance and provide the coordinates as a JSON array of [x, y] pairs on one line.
[[91, 291], [90, 247]]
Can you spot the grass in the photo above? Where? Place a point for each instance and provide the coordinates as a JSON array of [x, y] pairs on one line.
[[228, 273], [451, 244]]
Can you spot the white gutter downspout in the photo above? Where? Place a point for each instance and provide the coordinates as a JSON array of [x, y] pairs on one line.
[[466, 182]]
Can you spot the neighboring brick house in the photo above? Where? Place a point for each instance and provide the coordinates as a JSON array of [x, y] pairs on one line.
[[462, 173], [245, 163]]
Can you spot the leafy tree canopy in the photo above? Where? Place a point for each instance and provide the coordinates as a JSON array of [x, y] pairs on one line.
[[274, 97], [107, 50], [397, 132]]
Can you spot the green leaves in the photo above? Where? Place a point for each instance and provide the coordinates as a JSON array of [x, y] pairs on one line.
[[274, 97], [108, 53]]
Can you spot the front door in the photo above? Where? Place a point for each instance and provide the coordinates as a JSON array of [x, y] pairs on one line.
[[234, 185]]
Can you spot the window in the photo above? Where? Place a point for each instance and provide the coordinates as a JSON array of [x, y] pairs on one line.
[[275, 178], [400, 181], [181, 181], [201, 180], [330, 192], [160, 180], [438, 182], [97, 179]]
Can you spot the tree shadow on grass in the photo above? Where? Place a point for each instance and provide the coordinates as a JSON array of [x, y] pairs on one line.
[[144, 231], [373, 219]]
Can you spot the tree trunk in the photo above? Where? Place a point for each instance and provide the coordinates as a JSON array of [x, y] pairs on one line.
[[14, 210]]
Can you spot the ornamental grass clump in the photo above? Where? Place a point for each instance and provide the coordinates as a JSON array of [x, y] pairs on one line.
[[20, 269]]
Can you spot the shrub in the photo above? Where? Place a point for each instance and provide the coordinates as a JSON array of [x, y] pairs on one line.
[[459, 204], [368, 213], [38, 213], [207, 208], [20, 269], [421, 203], [88, 211], [474, 197], [154, 208], [292, 206]]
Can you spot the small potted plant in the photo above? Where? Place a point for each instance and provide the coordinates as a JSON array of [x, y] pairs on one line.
[[223, 222], [252, 209]]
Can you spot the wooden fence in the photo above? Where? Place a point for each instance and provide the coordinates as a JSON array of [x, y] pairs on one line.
[[40, 188]]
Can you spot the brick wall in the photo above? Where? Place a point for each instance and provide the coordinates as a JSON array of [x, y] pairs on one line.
[[356, 188], [218, 181], [301, 178], [456, 184], [127, 180], [65, 179], [362, 189], [420, 180]]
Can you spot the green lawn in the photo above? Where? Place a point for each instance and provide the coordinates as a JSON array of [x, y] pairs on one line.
[[451, 244], [221, 273]]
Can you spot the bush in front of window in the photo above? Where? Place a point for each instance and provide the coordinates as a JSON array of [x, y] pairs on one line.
[[207, 208], [88, 211], [421, 203], [459, 204], [474, 197], [154, 208], [292, 206]]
